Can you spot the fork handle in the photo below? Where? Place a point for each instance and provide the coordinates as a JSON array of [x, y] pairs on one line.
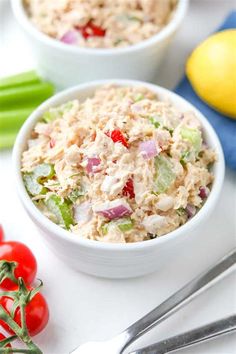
[[176, 301], [186, 339]]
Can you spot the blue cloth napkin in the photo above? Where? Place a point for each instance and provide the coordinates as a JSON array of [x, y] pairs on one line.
[[224, 127]]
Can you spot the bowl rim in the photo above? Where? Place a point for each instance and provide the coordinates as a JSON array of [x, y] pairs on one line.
[[173, 24], [67, 236]]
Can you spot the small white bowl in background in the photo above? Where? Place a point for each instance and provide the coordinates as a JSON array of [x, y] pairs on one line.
[[68, 65], [107, 259]]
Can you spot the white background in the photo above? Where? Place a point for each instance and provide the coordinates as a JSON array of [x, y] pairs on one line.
[[83, 307]]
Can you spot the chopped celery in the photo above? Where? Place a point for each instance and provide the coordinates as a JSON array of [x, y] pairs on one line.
[[61, 210], [49, 116], [164, 174], [56, 112], [25, 78], [32, 185], [43, 171], [154, 122], [193, 136], [124, 224], [139, 97], [105, 228], [75, 194], [34, 180]]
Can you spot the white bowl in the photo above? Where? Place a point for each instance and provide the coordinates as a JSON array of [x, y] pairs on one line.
[[68, 65], [104, 259]]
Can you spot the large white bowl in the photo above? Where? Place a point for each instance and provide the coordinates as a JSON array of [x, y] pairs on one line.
[[104, 259], [68, 65]]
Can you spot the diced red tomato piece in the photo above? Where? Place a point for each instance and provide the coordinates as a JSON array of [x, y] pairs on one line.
[[118, 137], [128, 189], [91, 30]]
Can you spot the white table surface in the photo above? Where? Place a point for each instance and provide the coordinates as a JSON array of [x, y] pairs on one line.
[[83, 307]]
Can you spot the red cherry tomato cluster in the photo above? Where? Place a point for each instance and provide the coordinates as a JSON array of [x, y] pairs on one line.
[[36, 310], [91, 30], [36, 314]]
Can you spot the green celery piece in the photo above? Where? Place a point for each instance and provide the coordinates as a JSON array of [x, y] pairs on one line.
[[139, 97], [49, 116], [25, 96], [193, 136], [7, 139], [105, 229], [44, 171], [75, 194], [61, 210], [56, 112], [154, 122], [12, 120], [25, 78], [164, 174], [34, 180], [32, 185], [124, 224]]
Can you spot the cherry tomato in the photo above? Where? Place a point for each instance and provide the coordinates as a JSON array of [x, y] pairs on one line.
[[36, 314], [2, 337], [2, 236], [27, 265], [91, 30]]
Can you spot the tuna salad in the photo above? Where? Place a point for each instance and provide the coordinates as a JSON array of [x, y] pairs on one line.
[[100, 23], [121, 166]]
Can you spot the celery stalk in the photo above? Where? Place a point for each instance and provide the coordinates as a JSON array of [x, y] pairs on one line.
[[28, 77], [23, 96], [12, 120], [7, 139]]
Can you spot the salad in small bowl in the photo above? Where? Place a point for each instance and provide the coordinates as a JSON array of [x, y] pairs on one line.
[[116, 173]]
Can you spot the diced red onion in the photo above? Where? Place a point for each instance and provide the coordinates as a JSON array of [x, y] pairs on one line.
[[148, 149], [203, 192], [92, 164], [70, 37], [83, 212], [112, 210], [191, 210]]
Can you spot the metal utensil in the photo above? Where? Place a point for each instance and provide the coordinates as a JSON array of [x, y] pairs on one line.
[[209, 331], [206, 279]]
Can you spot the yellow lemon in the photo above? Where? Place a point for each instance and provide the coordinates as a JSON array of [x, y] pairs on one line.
[[211, 69]]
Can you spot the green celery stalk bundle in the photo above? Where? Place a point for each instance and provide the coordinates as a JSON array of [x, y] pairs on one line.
[[19, 95]]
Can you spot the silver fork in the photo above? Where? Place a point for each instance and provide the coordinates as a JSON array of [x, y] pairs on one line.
[[117, 344], [200, 334]]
